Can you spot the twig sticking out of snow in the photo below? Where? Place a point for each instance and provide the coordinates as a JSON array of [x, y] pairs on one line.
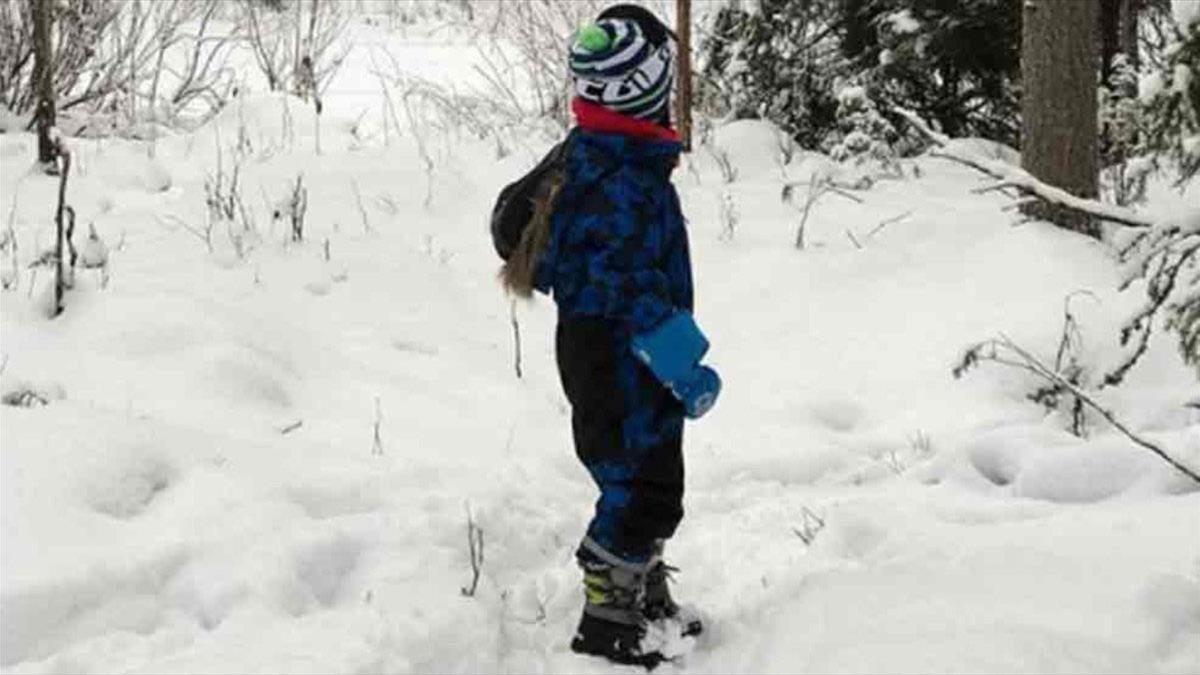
[[475, 549], [1012, 177], [817, 188], [64, 235], [422, 149], [362, 210], [10, 276], [894, 219], [729, 216], [729, 172], [1004, 351], [377, 442], [810, 525], [297, 208], [204, 235]]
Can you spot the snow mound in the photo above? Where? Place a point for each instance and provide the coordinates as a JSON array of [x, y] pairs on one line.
[[10, 122], [264, 126], [125, 168], [807, 165], [753, 147], [1150, 85]]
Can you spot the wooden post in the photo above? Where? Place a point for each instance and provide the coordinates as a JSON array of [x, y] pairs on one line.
[[683, 98]]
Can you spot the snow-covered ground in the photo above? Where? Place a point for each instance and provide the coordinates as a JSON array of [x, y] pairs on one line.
[[265, 462]]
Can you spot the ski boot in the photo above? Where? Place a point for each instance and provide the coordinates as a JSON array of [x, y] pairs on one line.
[[612, 625], [660, 606]]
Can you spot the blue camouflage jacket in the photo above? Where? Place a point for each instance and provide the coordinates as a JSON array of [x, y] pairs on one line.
[[618, 247]]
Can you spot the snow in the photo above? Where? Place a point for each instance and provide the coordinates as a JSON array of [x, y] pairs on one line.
[[1150, 85], [192, 482], [982, 147], [1191, 145], [1001, 167], [1186, 12], [902, 22], [94, 252], [753, 147], [1181, 79], [851, 93]]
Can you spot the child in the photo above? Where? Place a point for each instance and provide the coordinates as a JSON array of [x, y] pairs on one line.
[[614, 254]]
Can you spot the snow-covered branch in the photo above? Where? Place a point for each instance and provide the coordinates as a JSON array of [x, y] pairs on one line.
[[1006, 352], [1166, 257], [1165, 254], [1008, 176]]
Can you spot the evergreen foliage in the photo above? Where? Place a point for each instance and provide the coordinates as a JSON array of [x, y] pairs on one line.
[[776, 61], [953, 61], [1171, 100]]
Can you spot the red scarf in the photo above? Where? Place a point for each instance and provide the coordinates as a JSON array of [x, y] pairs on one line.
[[595, 117]]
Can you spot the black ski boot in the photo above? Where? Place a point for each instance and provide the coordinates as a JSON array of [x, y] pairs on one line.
[[612, 625], [660, 606]]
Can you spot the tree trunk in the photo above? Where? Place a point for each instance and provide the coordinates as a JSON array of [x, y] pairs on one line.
[[43, 78], [1129, 31], [1110, 36], [859, 33], [683, 99], [1058, 109], [1118, 34]]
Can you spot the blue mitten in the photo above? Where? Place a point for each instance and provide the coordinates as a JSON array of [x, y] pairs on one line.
[[673, 352], [698, 390]]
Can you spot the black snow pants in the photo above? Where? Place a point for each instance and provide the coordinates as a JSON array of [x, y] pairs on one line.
[[628, 432]]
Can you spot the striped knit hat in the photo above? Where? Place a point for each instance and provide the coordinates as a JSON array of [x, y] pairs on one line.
[[618, 67]]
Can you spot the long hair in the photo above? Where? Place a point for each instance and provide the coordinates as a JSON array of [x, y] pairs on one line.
[[517, 273]]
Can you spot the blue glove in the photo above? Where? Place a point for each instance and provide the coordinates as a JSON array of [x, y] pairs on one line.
[[673, 352]]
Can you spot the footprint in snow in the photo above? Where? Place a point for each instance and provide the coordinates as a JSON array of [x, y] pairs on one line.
[[125, 488], [838, 415], [325, 502]]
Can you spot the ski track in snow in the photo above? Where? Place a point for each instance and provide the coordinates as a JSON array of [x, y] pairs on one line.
[[202, 492]]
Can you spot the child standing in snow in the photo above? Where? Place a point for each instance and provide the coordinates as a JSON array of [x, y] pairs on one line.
[[613, 252]]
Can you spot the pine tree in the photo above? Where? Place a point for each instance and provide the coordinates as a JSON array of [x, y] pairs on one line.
[[1171, 98], [954, 62], [779, 62]]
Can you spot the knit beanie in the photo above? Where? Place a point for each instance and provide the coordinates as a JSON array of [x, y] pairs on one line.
[[620, 64]]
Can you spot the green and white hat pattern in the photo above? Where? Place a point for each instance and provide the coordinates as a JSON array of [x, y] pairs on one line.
[[617, 67]]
